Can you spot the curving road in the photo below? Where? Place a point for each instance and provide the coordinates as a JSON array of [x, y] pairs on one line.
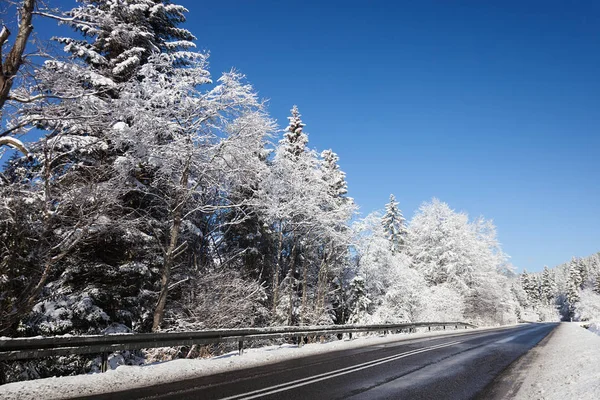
[[458, 366]]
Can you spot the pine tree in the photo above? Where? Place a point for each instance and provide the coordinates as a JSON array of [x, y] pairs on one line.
[[576, 272], [295, 199], [548, 287], [358, 302], [336, 209], [573, 285], [394, 225], [531, 287], [120, 36], [583, 271], [294, 139], [333, 175]]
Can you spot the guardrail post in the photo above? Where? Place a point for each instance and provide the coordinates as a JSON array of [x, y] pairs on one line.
[[444, 327], [241, 346], [350, 335], [300, 341], [429, 327], [455, 326], [104, 366]]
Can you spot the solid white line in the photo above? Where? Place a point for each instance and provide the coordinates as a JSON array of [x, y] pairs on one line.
[[331, 374]]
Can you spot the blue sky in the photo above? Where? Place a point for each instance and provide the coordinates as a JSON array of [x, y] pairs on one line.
[[493, 107]]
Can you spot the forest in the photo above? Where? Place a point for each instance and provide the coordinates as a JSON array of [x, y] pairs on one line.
[[144, 194]]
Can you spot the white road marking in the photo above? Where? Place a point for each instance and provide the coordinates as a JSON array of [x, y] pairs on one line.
[[506, 340], [332, 374]]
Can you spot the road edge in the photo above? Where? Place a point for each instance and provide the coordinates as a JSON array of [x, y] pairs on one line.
[[508, 383]]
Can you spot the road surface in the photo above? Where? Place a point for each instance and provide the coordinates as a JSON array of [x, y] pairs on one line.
[[459, 366]]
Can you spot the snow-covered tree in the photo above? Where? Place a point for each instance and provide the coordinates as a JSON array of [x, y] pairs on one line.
[[548, 287], [442, 303], [133, 123], [448, 249], [588, 306], [292, 198], [531, 287], [358, 301], [334, 234], [573, 284], [394, 225], [294, 140], [404, 299], [119, 36], [374, 258], [440, 244]]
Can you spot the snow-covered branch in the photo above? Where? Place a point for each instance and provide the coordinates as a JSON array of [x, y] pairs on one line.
[[15, 144]]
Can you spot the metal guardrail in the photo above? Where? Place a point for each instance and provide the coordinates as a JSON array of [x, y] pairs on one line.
[[38, 347]]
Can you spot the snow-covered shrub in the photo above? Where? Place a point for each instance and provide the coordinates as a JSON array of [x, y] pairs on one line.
[[220, 299], [548, 313], [588, 307], [443, 303]]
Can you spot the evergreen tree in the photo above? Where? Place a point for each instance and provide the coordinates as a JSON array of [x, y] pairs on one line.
[[335, 235], [294, 139], [573, 286], [293, 199], [583, 271], [576, 272], [333, 175], [394, 225], [531, 287], [358, 302], [120, 36], [548, 286]]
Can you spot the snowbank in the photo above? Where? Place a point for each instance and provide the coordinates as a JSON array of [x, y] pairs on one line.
[[130, 377], [566, 367], [595, 327]]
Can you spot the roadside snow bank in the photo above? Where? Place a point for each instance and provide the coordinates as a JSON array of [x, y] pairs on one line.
[[130, 377], [595, 327], [566, 367]]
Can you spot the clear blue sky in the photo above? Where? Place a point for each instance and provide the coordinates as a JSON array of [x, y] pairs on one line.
[[493, 107]]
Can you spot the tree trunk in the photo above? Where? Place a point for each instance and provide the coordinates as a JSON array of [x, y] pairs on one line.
[[165, 276], [277, 269], [170, 252], [290, 285], [304, 292], [322, 284], [11, 64]]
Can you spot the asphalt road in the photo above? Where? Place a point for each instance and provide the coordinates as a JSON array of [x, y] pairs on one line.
[[460, 366]]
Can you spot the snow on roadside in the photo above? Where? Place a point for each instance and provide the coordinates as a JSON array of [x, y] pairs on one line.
[[566, 367], [595, 327], [129, 377]]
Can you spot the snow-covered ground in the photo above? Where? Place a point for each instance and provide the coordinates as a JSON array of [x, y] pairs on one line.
[[129, 377], [595, 327], [567, 367]]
